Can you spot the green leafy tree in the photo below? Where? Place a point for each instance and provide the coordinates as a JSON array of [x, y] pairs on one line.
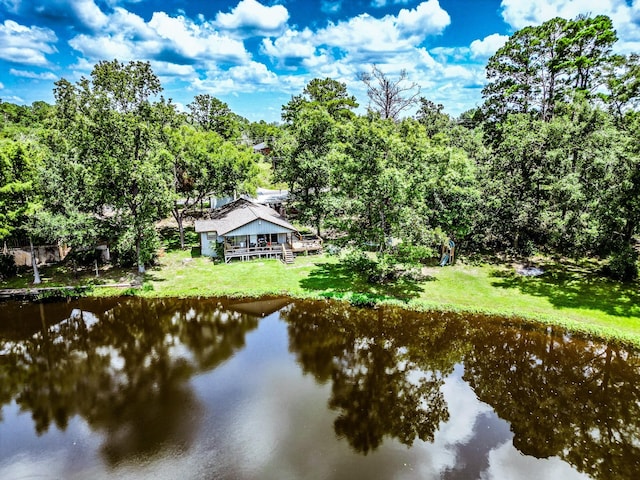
[[431, 115], [541, 66], [328, 93], [19, 194], [206, 165], [306, 157], [113, 129], [214, 115]]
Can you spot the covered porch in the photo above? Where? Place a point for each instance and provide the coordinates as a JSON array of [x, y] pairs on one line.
[[247, 247], [282, 246]]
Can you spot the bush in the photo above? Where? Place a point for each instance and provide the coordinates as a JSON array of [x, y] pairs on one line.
[[7, 266], [364, 300], [380, 271], [414, 254], [623, 264], [359, 262]]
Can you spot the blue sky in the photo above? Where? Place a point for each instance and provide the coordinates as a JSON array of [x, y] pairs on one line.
[[255, 54]]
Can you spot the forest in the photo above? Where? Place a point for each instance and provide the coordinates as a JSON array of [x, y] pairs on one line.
[[548, 163]]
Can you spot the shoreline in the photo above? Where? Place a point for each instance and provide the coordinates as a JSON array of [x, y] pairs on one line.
[[599, 309]]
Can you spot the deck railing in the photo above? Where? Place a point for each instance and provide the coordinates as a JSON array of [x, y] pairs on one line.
[[269, 251], [306, 243]]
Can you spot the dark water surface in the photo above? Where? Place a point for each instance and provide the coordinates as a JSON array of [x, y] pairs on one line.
[[273, 389]]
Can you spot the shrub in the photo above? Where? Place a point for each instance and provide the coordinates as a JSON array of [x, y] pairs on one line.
[[623, 264], [359, 262], [414, 254], [7, 266]]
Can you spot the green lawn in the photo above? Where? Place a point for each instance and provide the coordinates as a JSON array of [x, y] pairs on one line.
[[567, 294]]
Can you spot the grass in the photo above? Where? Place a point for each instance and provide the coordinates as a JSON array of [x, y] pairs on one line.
[[569, 294]]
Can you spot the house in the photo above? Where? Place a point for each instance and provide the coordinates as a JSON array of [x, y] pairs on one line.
[[245, 230]]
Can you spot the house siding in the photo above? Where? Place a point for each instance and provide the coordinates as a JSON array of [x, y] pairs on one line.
[[208, 247], [258, 227]]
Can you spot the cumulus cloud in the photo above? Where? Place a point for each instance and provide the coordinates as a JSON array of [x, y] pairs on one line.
[[364, 35], [250, 15], [427, 18], [89, 14], [33, 75], [292, 44], [26, 45], [625, 16], [488, 45], [164, 38]]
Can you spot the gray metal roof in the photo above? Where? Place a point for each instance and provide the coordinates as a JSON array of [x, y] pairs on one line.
[[238, 213]]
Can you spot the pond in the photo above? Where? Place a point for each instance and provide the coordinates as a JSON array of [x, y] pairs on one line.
[[281, 389]]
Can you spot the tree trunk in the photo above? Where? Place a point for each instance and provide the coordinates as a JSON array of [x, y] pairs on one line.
[[141, 268], [34, 263], [181, 230], [177, 215]]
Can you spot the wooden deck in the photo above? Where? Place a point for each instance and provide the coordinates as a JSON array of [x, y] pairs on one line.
[[247, 253], [307, 243], [281, 251]]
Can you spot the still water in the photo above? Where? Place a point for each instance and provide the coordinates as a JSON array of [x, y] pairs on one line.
[[275, 389]]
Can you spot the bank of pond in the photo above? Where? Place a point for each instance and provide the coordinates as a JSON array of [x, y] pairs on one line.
[[272, 387]]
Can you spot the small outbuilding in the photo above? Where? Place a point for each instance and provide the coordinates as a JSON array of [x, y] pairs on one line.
[[244, 229]]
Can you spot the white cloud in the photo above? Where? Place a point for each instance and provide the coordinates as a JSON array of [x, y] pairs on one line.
[[252, 15], [292, 44], [177, 40], [250, 77], [173, 70], [625, 17], [89, 14], [27, 45], [96, 48], [331, 6], [34, 75], [363, 35], [383, 3], [1, 85], [428, 18], [488, 46]]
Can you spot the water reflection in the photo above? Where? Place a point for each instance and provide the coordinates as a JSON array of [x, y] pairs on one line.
[[574, 399], [386, 373], [122, 366], [563, 396], [132, 370]]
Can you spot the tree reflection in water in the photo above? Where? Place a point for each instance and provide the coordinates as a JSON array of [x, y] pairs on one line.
[[575, 399], [563, 396], [386, 372], [124, 367]]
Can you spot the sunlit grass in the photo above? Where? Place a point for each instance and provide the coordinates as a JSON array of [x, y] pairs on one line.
[[570, 294]]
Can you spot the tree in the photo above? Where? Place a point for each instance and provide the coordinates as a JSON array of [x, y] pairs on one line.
[[432, 117], [390, 97], [214, 115], [113, 134], [203, 165], [373, 181], [306, 155], [539, 67], [328, 93], [19, 161]]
